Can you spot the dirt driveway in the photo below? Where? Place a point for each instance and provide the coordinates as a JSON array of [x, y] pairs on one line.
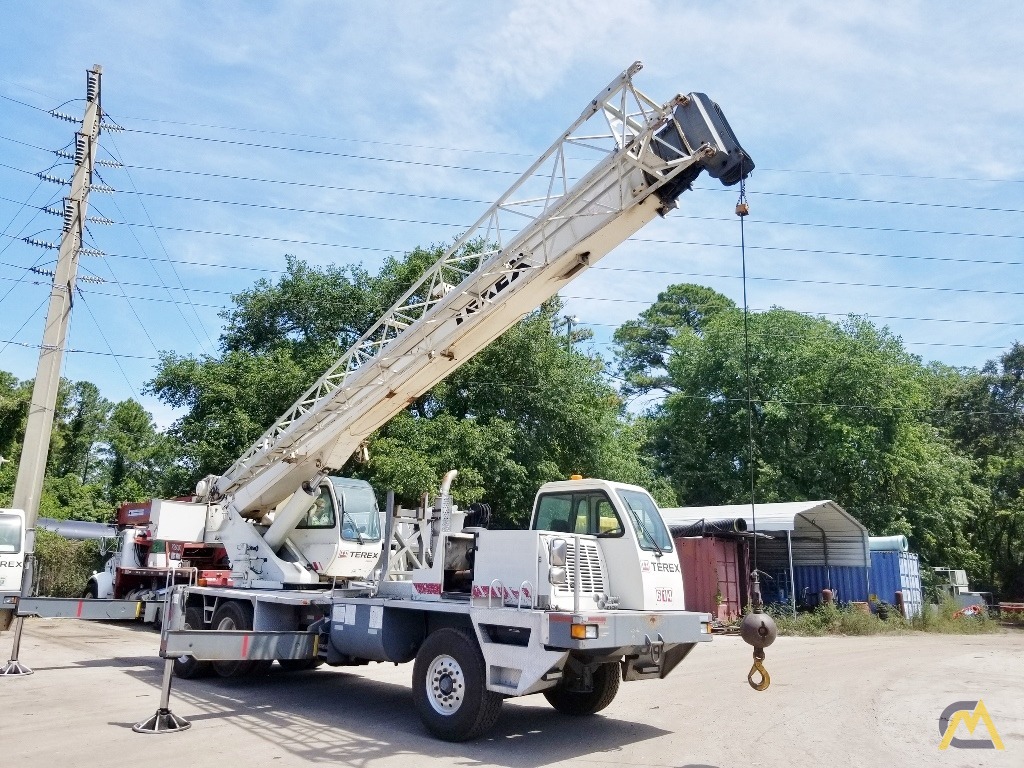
[[857, 701]]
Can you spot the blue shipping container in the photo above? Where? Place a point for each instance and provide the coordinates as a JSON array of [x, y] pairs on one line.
[[893, 572], [848, 582]]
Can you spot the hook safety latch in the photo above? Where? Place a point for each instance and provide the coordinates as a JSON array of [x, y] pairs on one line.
[[758, 669]]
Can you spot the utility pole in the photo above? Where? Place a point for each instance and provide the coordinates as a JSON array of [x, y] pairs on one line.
[[29, 484], [34, 451], [570, 321]]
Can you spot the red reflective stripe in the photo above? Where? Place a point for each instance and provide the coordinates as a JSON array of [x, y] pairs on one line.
[[78, 614], [245, 646]]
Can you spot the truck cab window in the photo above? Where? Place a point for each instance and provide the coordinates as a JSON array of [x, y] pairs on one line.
[[585, 513], [10, 534]]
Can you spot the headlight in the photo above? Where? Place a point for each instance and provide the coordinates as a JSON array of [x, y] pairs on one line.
[[556, 574], [11, 600]]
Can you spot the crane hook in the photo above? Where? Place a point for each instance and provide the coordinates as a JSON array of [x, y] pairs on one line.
[[758, 669]]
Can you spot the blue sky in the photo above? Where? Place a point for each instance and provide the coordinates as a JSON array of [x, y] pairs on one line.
[[888, 139]]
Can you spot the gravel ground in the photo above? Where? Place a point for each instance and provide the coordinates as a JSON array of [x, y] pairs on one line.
[[857, 701]]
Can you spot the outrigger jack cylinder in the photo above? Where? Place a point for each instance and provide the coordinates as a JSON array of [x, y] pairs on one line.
[[165, 721]]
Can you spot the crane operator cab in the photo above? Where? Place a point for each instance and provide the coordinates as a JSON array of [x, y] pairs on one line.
[[340, 534]]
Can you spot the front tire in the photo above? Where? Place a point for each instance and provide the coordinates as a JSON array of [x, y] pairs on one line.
[[569, 702], [449, 687], [189, 667], [91, 591]]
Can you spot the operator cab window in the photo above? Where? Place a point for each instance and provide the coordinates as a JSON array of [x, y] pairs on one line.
[[10, 534], [589, 512], [321, 512], [360, 517]]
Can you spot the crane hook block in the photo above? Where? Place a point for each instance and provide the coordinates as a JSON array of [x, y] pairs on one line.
[[759, 630]]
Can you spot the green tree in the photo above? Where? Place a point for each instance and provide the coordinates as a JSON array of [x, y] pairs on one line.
[[81, 415], [838, 410], [14, 399], [527, 409], [982, 412], [136, 453]]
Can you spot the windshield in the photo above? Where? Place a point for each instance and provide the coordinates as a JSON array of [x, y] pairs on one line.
[[10, 534], [360, 518], [643, 514]]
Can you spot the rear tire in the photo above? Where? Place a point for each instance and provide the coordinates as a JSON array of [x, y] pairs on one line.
[[91, 592], [449, 687], [606, 685], [188, 667], [229, 616]]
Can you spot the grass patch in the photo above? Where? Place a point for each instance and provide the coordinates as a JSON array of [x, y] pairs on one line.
[[833, 619]]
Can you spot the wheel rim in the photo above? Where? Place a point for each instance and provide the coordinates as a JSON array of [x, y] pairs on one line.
[[227, 624], [446, 685]]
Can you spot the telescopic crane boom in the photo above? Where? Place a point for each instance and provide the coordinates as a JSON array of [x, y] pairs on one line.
[[547, 229]]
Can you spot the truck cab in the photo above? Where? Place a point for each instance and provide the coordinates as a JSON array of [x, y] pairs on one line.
[[625, 523], [12, 562], [592, 544]]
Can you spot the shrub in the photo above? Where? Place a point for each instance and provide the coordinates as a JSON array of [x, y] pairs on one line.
[[63, 566]]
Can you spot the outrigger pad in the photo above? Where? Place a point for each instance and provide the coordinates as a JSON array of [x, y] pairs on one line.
[[164, 721], [15, 667]]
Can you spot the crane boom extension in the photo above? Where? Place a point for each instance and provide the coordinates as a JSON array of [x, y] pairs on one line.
[[545, 230]]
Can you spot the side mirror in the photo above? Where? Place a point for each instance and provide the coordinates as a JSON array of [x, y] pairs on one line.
[[556, 552], [556, 575]]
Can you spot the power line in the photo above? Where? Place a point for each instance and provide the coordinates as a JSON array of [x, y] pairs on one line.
[[167, 256], [323, 152], [833, 198], [82, 351], [712, 400], [263, 131], [103, 336]]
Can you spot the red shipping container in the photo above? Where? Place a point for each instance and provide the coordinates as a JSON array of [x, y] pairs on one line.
[[711, 576]]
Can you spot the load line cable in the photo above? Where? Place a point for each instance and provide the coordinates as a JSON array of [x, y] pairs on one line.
[[742, 210]]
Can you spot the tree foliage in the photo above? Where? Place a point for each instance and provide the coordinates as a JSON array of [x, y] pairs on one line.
[[838, 411], [526, 410], [100, 453], [982, 412]]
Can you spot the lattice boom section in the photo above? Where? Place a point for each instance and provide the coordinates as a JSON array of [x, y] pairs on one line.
[[529, 216]]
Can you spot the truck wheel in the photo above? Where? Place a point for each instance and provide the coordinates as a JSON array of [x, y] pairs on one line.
[[91, 591], [187, 667], [235, 615], [449, 687], [606, 685]]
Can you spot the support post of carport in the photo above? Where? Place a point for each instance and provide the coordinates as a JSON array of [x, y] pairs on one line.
[[792, 574]]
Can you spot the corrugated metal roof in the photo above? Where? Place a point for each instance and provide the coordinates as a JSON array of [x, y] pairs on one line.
[[822, 532]]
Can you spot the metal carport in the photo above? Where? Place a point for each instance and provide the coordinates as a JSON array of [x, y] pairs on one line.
[[796, 534]]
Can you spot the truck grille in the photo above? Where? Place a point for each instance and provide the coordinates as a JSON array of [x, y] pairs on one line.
[[591, 576]]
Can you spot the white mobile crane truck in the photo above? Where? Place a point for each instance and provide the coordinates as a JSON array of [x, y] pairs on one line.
[[590, 595]]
